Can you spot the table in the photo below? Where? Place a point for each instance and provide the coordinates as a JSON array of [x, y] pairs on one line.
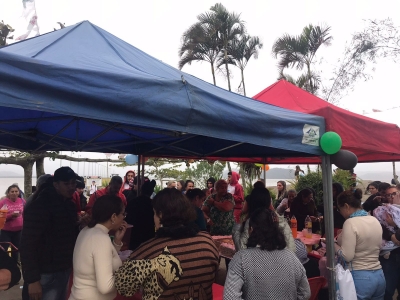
[[309, 242]]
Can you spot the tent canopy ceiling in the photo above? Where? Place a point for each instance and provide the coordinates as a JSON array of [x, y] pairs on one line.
[[371, 140], [83, 89]]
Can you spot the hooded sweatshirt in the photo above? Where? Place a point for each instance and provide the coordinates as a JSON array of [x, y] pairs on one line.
[[238, 195]]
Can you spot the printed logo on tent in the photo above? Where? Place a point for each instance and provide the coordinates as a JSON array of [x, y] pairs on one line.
[[310, 135]]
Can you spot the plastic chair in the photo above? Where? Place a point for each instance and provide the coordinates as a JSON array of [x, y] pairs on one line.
[[316, 283]]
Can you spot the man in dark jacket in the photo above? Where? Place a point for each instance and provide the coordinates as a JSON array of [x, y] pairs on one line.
[[48, 238]]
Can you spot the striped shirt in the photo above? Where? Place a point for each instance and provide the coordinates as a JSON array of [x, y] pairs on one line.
[[185, 269]]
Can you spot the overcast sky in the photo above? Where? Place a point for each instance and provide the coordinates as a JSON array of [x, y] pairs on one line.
[[155, 26]]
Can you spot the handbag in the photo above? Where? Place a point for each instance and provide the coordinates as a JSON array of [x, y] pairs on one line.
[[345, 288]]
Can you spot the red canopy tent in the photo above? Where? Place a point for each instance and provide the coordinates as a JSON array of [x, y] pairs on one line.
[[371, 140]]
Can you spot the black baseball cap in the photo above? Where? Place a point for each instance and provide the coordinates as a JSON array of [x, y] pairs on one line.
[[65, 174]]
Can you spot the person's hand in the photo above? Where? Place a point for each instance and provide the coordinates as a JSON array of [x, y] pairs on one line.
[[313, 219], [210, 222], [119, 234], [394, 240], [35, 290], [378, 199], [389, 220], [284, 206]]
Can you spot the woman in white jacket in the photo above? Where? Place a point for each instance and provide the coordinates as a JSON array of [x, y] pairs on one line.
[[95, 256]]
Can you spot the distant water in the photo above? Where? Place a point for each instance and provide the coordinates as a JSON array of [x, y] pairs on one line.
[[6, 182]]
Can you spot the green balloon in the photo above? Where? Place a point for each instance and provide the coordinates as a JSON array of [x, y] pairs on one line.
[[330, 142]]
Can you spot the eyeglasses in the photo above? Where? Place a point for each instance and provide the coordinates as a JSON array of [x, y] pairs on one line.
[[391, 195]]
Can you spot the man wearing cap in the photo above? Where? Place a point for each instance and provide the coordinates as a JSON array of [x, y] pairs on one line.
[[113, 188], [48, 238]]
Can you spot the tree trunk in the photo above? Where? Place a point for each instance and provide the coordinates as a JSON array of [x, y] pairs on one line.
[[40, 167], [28, 167], [244, 87], [229, 166], [308, 169], [213, 73], [394, 169], [227, 69]]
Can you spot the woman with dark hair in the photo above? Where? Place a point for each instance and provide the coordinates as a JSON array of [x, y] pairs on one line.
[[218, 208], [210, 183], [303, 205], [284, 278], [359, 244], [282, 193], [180, 185], [179, 262], [376, 199], [338, 219], [95, 256], [259, 198], [139, 213], [11, 232], [197, 197], [373, 187], [189, 185]]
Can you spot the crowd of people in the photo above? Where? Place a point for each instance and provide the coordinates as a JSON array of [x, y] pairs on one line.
[[62, 236]]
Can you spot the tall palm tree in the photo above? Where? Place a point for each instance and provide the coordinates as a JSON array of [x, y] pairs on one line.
[[240, 51], [199, 44], [299, 52], [226, 26]]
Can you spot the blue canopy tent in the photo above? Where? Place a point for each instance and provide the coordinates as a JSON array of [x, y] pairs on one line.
[[83, 89]]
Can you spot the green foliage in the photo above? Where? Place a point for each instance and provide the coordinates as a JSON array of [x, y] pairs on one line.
[[272, 193], [314, 181], [311, 180], [201, 171], [105, 181], [157, 188]]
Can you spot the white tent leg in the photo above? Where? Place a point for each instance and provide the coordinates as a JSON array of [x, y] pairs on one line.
[[328, 218]]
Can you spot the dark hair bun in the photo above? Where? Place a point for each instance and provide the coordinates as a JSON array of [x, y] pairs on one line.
[[358, 194]]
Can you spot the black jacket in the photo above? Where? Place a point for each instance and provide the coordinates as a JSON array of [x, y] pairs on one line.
[[139, 213], [48, 235]]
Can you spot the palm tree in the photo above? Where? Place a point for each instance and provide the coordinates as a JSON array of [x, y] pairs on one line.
[[299, 52], [226, 26], [240, 51], [199, 44]]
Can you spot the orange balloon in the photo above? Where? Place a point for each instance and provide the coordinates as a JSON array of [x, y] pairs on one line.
[[266, 167]]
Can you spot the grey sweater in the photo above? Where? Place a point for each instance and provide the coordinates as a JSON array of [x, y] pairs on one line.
[[260, 274]]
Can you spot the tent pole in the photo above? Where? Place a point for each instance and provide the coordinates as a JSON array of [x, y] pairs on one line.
[[138, 176], [143, 158], [265, 181], [326, 168]]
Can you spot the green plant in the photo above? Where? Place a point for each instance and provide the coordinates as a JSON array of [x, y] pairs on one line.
[[157, 188], [105, 181], [311, 180], [272, 193]]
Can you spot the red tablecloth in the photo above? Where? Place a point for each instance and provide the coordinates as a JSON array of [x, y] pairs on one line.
[[218, 291]]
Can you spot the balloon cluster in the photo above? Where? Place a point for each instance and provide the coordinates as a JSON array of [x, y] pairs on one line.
[[131, 159], [331, 143]]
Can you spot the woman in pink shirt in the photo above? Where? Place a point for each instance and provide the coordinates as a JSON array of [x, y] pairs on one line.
[[11, 231]]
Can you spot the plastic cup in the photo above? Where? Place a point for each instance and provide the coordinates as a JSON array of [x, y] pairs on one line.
[[3, 216]]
